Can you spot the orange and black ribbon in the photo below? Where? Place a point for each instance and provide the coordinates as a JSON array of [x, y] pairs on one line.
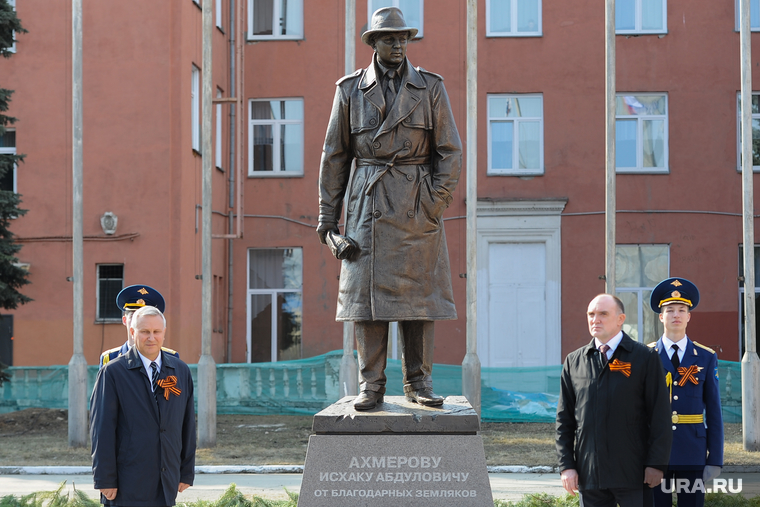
[[170, 385], [624, 368], [688, 374]]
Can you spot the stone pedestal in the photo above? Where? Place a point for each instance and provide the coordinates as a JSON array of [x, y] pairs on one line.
[[399, 453]]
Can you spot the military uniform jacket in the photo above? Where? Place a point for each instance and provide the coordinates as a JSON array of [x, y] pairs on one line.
[[611, 426], [408, 160], [142, 445], [115, 352], [693, 443]]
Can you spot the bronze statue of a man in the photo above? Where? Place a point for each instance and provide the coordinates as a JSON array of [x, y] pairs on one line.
[[395, 122]]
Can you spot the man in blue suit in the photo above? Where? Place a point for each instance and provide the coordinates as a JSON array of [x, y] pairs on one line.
[[142, 421], [691, 374], [129, 300]]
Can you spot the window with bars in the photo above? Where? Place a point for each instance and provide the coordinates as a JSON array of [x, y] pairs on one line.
[[110, 283]]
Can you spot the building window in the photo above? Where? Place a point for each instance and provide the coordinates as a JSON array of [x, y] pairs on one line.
[[218, 305], [195, 108], [641, 133], [640, 16], [412, 9], [754, 15], [515, 135], [12, 49], [513, 18], [638, 269], [755, 132], [275, 138], [218, 14], [8, 147], [110, 283], [275, 308], [275, 19], [742, 344], [218, 140]]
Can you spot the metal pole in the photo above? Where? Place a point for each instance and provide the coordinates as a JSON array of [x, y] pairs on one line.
[[349, 369], [206, 365], [471, 363], [609, 109], [231, 189], [77, 364], [750, 361]]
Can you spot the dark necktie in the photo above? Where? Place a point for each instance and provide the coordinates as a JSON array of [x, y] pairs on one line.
[[390, 90], [603, 349], [154, 376], [674, 358]]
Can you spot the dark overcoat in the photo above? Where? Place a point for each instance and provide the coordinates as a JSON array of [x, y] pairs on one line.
[[142, 446], [695, 444], [408, 161], [611, 426]]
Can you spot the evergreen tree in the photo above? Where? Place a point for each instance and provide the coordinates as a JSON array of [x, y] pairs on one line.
[[12, 277]]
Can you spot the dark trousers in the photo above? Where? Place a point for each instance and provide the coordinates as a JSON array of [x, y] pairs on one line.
[[685, 496], [416, 350], [624, 497]]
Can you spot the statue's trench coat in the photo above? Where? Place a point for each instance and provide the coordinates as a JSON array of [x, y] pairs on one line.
[[408, 163]]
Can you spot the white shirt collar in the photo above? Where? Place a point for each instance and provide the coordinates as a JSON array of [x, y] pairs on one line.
[[613, 343], [681, 344], [146, 363]]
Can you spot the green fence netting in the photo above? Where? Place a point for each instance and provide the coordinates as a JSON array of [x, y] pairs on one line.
[[306, 386]]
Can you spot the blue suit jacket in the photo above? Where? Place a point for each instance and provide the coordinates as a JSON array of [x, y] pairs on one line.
[[142, 445], [695, 444]]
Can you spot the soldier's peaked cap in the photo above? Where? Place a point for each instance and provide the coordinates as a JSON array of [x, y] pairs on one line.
[[674, 290], [386, 20], [135, 297]]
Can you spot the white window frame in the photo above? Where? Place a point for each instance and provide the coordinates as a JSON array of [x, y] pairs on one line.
[[12, 49], [754, 6], [12, 151], [277, 173], [395, 3], [538, 32], [275, 16], [755, 116], [98, 318], [516, 171], [640, 169], [218, 14], [639, 291], [218, 140], [637, 30], [195, 108], [273, 294]]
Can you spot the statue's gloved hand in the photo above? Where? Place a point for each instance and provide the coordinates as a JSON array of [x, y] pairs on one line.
[[323, 228], [710, 472]]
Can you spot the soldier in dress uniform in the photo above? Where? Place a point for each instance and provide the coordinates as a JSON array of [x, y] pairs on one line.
[[129, 300], [691, 374]]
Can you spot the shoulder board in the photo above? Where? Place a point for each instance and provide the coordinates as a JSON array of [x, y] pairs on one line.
[[170, 351], [423, 71], [652, 345], [109, 354], [349, 76], [708, 349]]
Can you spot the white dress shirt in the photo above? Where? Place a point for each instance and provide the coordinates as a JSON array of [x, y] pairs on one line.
[[681, 344], [146, 363], [613, 344]]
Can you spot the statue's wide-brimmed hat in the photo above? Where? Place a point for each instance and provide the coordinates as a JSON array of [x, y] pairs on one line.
[[386, 20]]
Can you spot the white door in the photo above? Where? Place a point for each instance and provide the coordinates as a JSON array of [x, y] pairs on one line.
[[516, 305]]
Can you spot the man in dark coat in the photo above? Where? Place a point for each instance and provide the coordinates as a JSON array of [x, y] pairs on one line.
[[129, 300], [613, 415], [142, 421], [691, 375], [395, 122]]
